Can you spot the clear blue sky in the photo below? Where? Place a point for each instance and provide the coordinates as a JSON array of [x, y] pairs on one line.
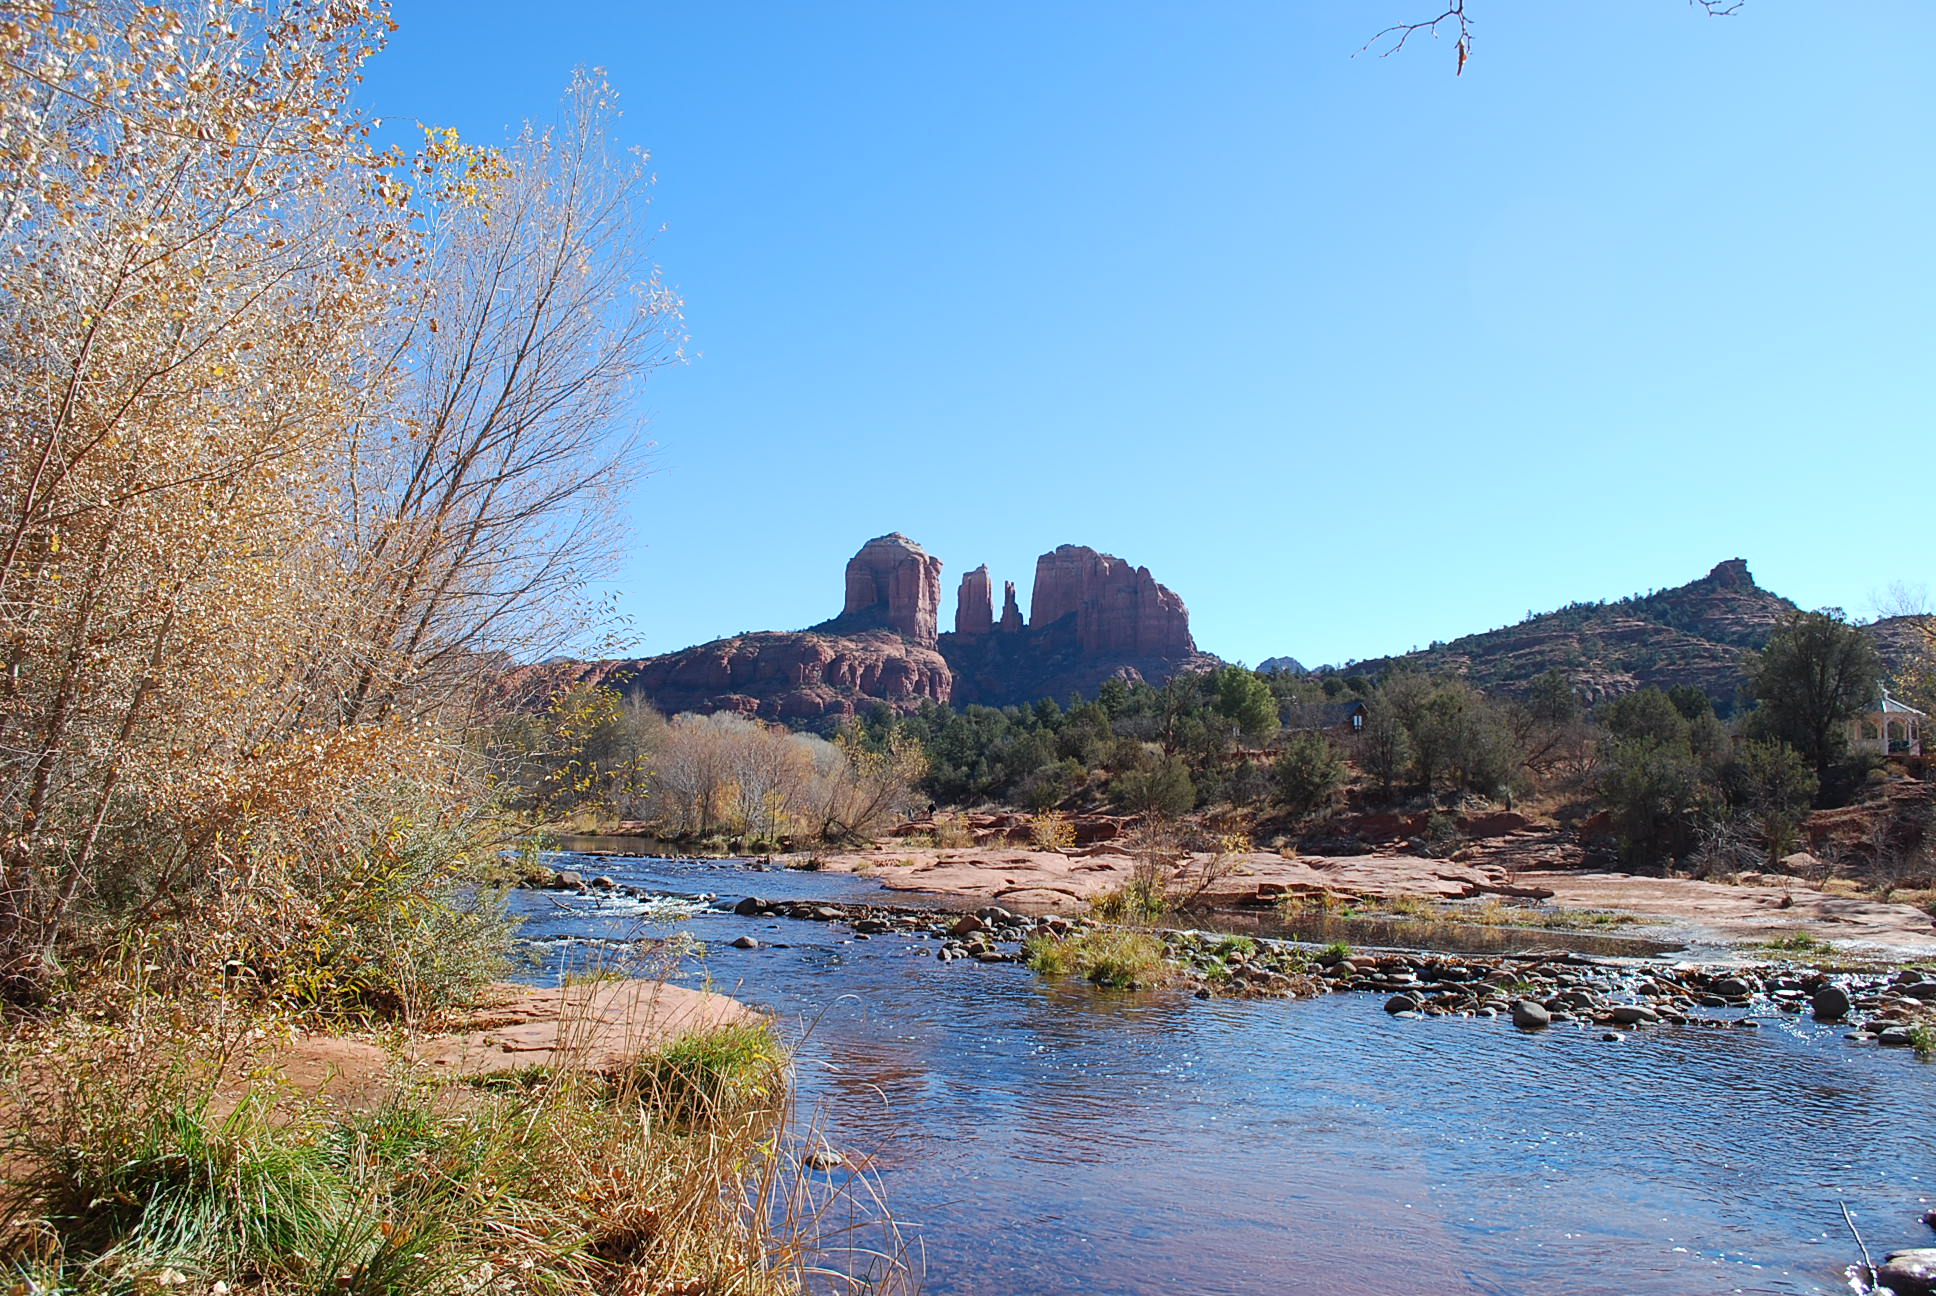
[[1350, 353]]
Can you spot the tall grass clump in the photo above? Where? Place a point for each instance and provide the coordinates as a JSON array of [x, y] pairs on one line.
[[1114, 958], [154, 1153]]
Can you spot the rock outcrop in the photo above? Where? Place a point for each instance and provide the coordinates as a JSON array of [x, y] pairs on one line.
[[974, 604], [1110, 620], [1092, 617], [1119, 610], [801, 677], [1011, 610], [895, 579]]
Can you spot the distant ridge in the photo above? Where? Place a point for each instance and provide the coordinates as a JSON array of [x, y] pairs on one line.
[[1692, 634]]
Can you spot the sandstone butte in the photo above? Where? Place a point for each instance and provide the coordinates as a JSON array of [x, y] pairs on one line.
[[1093, 616]]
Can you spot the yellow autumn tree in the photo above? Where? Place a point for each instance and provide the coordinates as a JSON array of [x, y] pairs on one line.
[[298, 436]]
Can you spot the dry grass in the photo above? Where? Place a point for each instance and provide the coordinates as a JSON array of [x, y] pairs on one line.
[[149, 1149], [1486, 913]]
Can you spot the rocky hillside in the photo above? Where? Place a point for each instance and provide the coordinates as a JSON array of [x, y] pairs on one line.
[[1092, 616], [1692, 634]]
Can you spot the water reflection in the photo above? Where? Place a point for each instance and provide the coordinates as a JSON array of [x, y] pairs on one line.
[[1041, 1137]]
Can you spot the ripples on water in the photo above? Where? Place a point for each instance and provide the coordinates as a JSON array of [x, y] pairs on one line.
[[1045, 1138]]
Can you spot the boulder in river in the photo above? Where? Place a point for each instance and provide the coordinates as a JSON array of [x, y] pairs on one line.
[[1831, 1003], [1401, 1003], [1909, 1273], [1528, 1014]]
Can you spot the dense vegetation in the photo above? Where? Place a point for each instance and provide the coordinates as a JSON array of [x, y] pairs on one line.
[[1273, 755]]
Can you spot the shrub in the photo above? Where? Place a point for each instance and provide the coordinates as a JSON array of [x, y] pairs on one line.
[[1052, 831], [394, 926], [1157, 785], [1307, 774]]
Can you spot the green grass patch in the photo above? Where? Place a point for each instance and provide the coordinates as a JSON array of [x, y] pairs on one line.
[[711, 1072], [1113, 958], [1795, 942]]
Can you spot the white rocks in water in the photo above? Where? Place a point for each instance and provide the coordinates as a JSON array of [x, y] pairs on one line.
[[824, 1158], [1530, 1015], [1831, 1003], [1909, 1273], [746, 942]]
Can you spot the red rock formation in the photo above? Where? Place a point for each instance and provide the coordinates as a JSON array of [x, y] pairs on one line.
[[974, 604], [797, 677], [894, 576], [1120, 610], [1011, 612]]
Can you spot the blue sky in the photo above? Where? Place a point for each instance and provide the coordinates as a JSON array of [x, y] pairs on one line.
[[1351, 353]]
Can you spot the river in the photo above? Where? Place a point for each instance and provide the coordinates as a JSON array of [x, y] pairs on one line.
[[1039, 1137]]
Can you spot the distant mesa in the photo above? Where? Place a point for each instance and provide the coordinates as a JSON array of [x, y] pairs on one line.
[[1093, 617]]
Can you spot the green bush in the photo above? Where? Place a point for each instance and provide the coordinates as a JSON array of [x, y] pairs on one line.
[[1307, 774], [1159, 785]]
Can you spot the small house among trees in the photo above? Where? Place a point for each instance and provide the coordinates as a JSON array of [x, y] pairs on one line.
[[1889, 728], [1328, 717]]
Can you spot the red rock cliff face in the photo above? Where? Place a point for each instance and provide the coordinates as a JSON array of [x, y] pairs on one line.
[[1119, 609], [800, 677], [975, 604], [895, 576]]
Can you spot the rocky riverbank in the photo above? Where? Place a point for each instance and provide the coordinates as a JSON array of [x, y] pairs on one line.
[[1887, 1005]]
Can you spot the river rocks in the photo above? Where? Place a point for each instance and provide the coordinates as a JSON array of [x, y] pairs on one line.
[[1831, 1003], [974, 604], [1401, 1003], [1633, 1014], [1528, 1015], [1909, 1273], [746, 943], [823, 1158], [750, 907]]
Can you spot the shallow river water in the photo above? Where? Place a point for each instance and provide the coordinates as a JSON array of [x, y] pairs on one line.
[[1037, 1137]]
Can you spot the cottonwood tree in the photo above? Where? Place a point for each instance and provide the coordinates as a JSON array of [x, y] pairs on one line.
[[486, 497], [198, 240], [294, 433]]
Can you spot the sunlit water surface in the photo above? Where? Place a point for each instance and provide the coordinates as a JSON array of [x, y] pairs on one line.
[[1034, 1137]]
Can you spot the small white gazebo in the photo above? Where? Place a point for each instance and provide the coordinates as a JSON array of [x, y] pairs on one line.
[[1889, 728]]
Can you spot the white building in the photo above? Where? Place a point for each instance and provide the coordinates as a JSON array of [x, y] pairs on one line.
[[1889, 728]]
